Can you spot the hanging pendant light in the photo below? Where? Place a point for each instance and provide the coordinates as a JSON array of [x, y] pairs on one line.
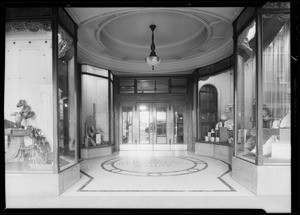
[[152, 60]]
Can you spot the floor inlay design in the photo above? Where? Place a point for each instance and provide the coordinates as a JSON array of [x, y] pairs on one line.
[[122, 174], [154, 167]]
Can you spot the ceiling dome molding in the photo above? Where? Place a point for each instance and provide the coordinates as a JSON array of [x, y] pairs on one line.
[[140, 68], [108, 41], [186, 38]]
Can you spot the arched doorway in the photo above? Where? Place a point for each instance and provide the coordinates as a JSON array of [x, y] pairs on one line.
[[208, 109]]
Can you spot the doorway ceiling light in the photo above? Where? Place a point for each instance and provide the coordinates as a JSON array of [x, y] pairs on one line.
[[152, 60]]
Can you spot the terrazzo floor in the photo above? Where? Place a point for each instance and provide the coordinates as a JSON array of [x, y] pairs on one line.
[[160, 179]]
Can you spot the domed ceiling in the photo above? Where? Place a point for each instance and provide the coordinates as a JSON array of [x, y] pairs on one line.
[[119, 39]]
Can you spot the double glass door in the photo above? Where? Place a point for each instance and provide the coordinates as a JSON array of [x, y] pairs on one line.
[[152, 126]]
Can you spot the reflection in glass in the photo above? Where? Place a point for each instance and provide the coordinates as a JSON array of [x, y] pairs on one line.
[[161, 123], [127, 124], [276, 88], [178, 124], [246, 88], [144, 125], [66, 97]]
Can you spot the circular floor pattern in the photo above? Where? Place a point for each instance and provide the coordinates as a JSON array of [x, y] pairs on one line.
[[154, 166]]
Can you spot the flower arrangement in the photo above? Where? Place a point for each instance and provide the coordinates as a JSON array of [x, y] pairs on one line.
[[229, 124], [24, 113], [36, 134]]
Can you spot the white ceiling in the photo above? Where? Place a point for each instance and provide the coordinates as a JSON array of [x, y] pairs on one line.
[[186, 38]]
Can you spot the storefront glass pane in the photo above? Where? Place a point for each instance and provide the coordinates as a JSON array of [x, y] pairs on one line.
[[67, 101], [127, 124], [276, 89], [95, 112], [161, 123], [246, 89], [208, 108], [28, 109], [178, 124]]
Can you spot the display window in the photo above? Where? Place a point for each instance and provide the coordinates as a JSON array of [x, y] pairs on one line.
[[67, 122], [263, 87], [216, 108], [28, 109], [40, 99], [246, 97], [97, 108], [276, 88]]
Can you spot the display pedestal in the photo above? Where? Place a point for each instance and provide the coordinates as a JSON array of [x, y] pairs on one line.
[[16, 149], [96, 152], [221, 151]]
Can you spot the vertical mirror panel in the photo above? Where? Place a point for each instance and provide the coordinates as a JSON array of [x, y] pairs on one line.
[[66, 98], [246, 87], [127, 135], [144, 124], [28, 96], [161, 125], [276, 88], [178, 124]]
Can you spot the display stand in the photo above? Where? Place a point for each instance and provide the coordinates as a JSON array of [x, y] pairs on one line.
[[16, 148]]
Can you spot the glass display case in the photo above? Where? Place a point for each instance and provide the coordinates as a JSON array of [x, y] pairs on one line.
[[97, 107], [40, 105], [262, 86]]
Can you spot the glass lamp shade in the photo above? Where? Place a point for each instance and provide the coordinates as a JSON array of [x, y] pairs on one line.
[[153, 61]]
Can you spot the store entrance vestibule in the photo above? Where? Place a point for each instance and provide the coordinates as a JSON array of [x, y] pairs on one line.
[[152, 126]]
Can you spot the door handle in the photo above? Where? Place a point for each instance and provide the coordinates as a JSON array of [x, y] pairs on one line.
[[150, 126]]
